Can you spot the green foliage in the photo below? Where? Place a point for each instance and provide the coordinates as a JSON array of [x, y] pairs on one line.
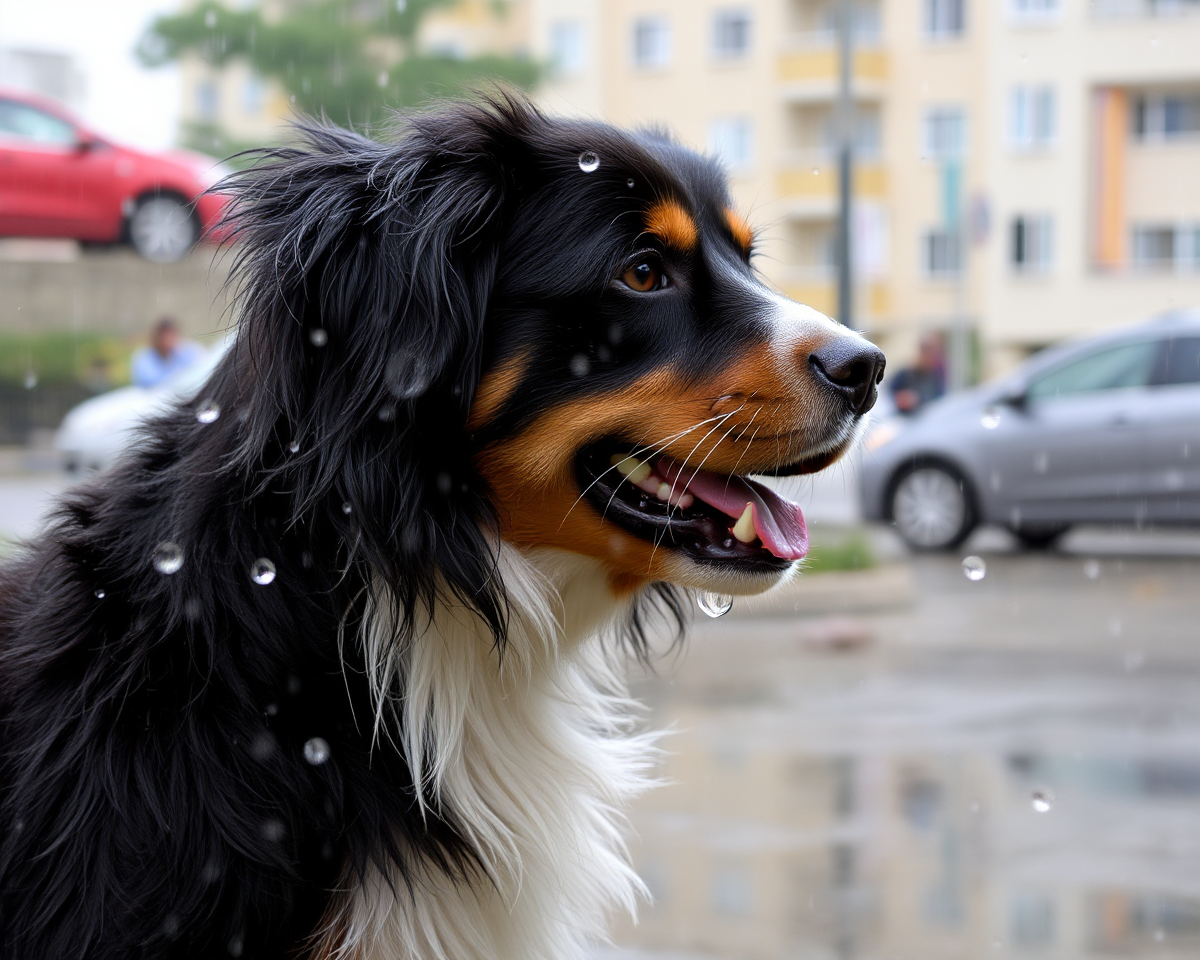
[[353, 61], [849, 551], [63, 356]]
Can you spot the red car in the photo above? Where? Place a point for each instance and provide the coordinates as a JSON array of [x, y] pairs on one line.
[[59, 179]]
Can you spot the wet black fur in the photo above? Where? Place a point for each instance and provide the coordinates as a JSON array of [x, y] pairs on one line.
[[154, 798]]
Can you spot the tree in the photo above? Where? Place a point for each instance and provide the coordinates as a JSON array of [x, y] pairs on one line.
[[353, 61]]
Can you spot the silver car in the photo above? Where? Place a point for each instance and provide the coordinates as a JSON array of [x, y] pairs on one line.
[[1105, 430]]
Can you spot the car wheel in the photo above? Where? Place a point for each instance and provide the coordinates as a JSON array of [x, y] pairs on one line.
[[163, 228], [932, 508], [1039, 538]]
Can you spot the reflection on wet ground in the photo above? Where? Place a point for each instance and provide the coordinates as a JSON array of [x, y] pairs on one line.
[[1002, 768]]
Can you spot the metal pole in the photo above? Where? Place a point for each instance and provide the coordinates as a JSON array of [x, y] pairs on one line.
[[845, 128]]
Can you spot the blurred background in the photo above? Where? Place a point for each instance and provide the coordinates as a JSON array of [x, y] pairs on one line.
[[971, 728]]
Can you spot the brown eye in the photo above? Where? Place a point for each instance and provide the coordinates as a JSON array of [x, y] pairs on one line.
[[643, 277]]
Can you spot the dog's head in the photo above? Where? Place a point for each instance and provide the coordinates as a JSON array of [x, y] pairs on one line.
[[546, 327]]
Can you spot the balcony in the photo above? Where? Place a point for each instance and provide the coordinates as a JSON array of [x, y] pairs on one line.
[[808, 181], [1128, 9], [808, 69]]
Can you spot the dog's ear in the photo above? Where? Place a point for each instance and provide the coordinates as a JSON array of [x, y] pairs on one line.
[[364, 271]]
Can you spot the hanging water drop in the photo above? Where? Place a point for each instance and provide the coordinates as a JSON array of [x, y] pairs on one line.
[[1041, 801], [974, 568], [316, 751], [990, 419], [208, 412], [318, 337], [816, 170], [294, 446], [715, 604], [167, 557], [262, 571], [30, 380], [629, 183], [347, 509], [100, 593], [1091, 569], [589, 162]]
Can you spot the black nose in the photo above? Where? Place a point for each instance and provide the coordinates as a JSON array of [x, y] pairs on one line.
[[851, 366]]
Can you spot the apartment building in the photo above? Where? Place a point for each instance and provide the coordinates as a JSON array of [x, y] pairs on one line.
[[1021, 165]]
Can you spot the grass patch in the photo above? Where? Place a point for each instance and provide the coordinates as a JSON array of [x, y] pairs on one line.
[[64, 356], [832, 552]]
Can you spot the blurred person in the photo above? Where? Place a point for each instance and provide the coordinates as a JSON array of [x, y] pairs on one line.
[[925, 380], [167, 354]]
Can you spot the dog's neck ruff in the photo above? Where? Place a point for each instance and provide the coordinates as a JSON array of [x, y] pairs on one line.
[[533, 754]]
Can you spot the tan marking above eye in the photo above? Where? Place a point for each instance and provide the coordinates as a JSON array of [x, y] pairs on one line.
[[740, 229], [495, 388], [673, 225]]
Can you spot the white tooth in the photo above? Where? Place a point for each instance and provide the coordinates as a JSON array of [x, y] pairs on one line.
[[686, 500], [744, 528], [650, 483], [631, 468], [664, 491]]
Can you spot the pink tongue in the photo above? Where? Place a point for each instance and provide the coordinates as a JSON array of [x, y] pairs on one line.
[[778, 522]]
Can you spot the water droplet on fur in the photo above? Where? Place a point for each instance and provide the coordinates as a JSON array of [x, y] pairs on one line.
[[30, 380], [316, 751], [167, 557], [589, 162], [262, 571], [715, 604], [974, 568], [294, 446], [387, 413], [209, 412], [408, 375], [445, 483], [170, 926], [580, 365], [990, 419], [271, 709], [629, 183], [318, 337], [347, 509], [1041, 801], [1091, 569], [236, 946], [272, 830], [100, 593]]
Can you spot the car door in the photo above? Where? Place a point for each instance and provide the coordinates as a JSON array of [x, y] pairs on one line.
[[1173, 435], [1074, 448]]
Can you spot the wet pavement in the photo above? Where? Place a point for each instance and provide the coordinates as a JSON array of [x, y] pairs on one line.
[[1001, 768]]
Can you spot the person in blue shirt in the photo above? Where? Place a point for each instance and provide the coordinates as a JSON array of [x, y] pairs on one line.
[[167, 354]]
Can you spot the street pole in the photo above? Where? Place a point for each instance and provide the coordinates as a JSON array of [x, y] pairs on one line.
[[845, 129]]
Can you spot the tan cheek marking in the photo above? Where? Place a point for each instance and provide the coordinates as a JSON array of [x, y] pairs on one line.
[[671, 223], [495, 388], [740, 229]]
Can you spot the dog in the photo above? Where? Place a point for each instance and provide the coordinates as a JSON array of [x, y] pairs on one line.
[[324, 667]]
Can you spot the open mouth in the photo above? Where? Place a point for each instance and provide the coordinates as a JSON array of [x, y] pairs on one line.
[[710, 517]]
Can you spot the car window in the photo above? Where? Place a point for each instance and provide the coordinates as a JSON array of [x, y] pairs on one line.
[[1113, 368], [19, 121], [1178, 362]]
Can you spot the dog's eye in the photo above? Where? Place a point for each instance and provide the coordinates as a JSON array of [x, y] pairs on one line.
[[644, 277]]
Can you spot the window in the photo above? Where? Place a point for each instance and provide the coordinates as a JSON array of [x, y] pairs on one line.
[[207, 99], [253, 95], [1112, 368], [1173, 117], [944, 133], [1031, 249], [1153, 246], [944, 19], [651, 43], [1178, 362], [731, 33], [19, 121], [1034, 9], [568, 51], [1032, 117], [941, 254], [732, 140]]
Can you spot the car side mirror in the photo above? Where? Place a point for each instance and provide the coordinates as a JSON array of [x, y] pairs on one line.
[[1015, 395], [85, 141]]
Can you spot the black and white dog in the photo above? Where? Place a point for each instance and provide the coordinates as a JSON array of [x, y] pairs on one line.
[[318, 671]]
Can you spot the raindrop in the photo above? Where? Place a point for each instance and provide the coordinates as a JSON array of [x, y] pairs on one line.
[[167, 557], [408, 375], [629, 183], [401, 5], [210, 19], [382, 79], [316, 751], [974, 568], [271, 710], [294, 446], [715, 604], [272, 830], [99, 593], [1041, 461], [209, 412], [236, 946], [347, 509], [387, 413], [1041, 801], [318, 337], [445, 483], [990, 419], [262, 571], [30, 380], [580, 365], [816, 170], [1091, 569], [171, 926], [589, 162], [1159, 936]]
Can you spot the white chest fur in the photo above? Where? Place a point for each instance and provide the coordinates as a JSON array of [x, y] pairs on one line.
[[534, 754]]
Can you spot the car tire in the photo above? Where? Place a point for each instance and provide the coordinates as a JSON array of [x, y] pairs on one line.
[[932, 507], [1039, 538], [163, 228]]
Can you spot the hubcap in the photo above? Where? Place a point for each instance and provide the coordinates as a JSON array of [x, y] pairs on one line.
[[162, 230], [929, 507]]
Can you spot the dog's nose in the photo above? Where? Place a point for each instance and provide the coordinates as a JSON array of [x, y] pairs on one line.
[[852, 367]]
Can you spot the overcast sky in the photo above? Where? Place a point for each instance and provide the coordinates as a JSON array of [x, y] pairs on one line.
[[134, 106]]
